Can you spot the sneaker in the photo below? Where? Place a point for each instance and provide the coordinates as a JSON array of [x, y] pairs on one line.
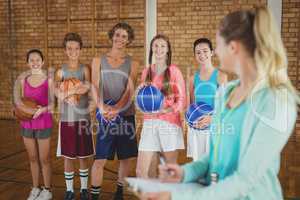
[[95, 196], [34, 193], [45, 195], [84, 194], [118, 196], [69, 195]]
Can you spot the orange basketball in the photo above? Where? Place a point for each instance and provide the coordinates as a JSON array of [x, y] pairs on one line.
[[25, 110], [69, 84]]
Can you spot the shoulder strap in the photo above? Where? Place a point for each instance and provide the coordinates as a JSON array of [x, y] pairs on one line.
[[215, 73], [215, 77], [195, 78], [128, 60], [63, 71], [101, 86], [22, 83], [98, 63], [81, 69]]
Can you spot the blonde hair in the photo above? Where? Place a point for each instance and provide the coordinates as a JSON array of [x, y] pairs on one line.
[[259, 34], [270, 54]]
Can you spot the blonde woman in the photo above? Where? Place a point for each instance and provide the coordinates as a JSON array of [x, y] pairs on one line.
[[260, 107]]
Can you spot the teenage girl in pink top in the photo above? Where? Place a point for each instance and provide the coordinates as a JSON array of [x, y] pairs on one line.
[[162, 132], [36, 132]]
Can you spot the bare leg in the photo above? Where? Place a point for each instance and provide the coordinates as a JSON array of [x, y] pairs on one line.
[[144, 163], [44, 152], [31, 147], [124, 169], [69, 165], [83, 163], [97, 172]]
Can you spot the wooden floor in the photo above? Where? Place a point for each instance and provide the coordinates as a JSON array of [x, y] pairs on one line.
[[15, 177]]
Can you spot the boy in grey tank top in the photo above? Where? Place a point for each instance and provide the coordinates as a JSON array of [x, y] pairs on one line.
[[113, 78], [75, 139]]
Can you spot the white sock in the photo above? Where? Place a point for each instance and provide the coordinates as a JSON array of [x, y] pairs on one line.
[[84, 175], [69, 177]]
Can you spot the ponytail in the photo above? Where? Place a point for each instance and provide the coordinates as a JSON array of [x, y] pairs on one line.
[[259, 34], [270, 54]]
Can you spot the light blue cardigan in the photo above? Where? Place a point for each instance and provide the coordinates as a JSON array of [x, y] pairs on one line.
[[268, 124]]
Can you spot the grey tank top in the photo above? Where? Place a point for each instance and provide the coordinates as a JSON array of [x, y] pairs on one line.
[[114, 81], [79, 112]]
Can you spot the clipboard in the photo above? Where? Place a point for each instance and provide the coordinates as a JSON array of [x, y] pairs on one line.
[[154, 185]]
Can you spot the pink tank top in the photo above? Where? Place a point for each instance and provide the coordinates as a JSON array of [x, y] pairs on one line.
[[176, 100], [40, 95]]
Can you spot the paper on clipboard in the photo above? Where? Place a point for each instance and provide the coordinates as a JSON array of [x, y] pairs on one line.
[[154, 185]]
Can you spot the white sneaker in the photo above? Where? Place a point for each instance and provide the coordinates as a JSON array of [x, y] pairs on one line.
[[44, 195], [34, 193]]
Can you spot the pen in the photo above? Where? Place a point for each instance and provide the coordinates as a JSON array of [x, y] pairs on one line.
[[163, 162]]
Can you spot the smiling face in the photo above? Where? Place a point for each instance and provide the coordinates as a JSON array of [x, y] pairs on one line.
[[120, 38], [72, 50], [160, 49], [203, 53], [35, 62]]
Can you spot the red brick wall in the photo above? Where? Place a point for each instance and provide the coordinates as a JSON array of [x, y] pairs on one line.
[[36, 25], [6, 58], [186, 20], [290, 165]]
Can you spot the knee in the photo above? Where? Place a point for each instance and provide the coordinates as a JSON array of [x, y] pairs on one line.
[[33, 158], [68, 162], [125, 164], [45, 160], [140, 172], [99, 164]]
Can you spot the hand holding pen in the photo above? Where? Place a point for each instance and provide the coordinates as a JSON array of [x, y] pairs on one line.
[[170, 172]]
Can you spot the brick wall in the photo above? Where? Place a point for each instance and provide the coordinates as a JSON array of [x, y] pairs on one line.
[[37, 25], [5, 59], [34, 24], [290, 165], [186, 20]]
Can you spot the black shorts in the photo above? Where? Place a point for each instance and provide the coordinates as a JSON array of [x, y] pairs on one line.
[[36, 133], [117, 138]]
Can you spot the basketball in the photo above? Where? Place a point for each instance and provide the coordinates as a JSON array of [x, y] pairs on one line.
[[195, 112], [102, 120], [149, 99], [67, 85], [26, 109]]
